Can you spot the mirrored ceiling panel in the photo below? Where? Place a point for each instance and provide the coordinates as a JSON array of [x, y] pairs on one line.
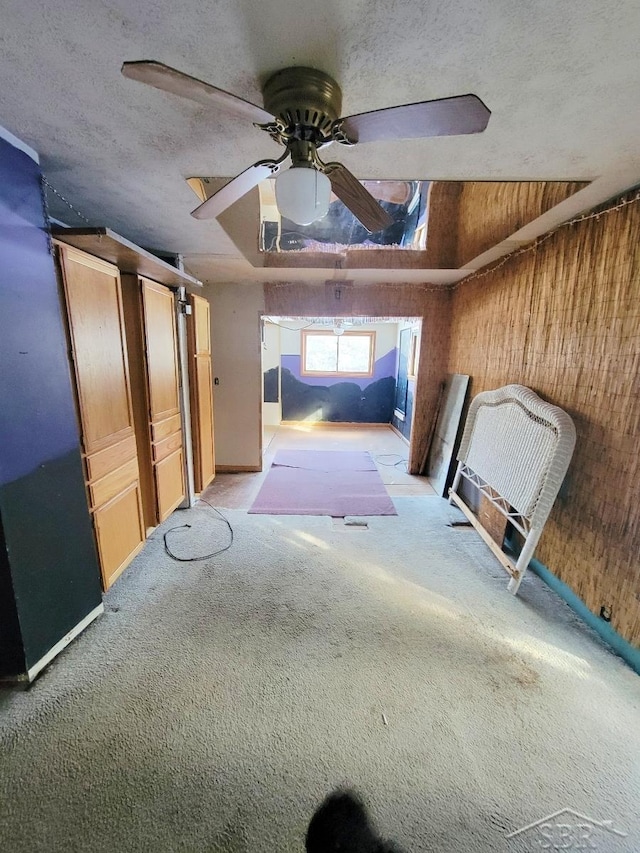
[[405, 201]]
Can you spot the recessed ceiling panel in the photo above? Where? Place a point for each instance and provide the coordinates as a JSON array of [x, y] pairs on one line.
[[405, 201]]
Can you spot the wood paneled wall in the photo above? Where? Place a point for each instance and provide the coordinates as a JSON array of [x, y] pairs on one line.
[[564, 320], [490, 211], [353, 299], [442, 228]]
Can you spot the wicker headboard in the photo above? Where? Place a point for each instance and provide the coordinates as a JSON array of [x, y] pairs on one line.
[[516, 449]]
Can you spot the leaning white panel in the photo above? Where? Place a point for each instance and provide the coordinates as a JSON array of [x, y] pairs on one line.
[[515, 449]]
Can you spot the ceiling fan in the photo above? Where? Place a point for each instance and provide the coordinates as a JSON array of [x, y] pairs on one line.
[[302, 112]]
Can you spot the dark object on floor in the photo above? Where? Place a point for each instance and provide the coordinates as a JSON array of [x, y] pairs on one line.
[[342, 824]]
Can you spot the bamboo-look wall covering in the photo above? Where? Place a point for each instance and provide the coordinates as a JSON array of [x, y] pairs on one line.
[[565, 321], [490, 211], [351, 299], [465, 219]]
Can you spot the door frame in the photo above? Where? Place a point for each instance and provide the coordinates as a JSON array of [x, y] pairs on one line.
[[416, 322]]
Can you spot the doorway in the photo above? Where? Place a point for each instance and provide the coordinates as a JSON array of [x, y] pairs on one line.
[[355, 372]]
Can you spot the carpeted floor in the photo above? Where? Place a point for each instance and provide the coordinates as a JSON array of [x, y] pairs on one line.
[[323, 482], [389, 451], [215, 704]]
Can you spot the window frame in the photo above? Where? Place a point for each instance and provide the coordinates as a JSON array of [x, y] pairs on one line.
[[414, 354], [339, 373]]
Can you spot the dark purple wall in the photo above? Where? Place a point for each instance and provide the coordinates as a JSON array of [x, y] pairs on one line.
[[49, 575], [40, 422], [338, 399]]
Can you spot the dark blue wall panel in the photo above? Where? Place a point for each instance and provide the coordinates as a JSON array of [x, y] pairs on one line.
[[40, 421], [48, 556]]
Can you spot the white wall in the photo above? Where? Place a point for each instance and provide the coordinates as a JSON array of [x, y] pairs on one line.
[[237, 362], [271, 412], [386, 337]]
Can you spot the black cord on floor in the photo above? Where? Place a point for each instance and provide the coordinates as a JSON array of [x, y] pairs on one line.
[[205, 556]]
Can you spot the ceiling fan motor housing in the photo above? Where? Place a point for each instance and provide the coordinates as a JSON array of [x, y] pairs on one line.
[[306, 101]]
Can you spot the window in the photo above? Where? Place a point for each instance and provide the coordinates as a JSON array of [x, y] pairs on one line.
[[327, 354]]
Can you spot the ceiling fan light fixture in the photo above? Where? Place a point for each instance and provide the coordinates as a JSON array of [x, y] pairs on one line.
[[302, 108], [303, 194]]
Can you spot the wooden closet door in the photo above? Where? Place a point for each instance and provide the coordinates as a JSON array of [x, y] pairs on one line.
[[201, 391], [98, 349], [163, 379]]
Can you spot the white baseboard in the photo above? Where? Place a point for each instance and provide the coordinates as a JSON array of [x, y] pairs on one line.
[[64, 642], [400, 435]]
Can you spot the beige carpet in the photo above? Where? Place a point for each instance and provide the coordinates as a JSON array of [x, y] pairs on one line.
[[216, 703]]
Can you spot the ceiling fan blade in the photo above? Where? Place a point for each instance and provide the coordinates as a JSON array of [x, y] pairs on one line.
[[236, 188], [171, 80], [443, 117], [359, 200]]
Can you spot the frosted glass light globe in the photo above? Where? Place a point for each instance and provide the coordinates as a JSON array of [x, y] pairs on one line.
[[303, 194]]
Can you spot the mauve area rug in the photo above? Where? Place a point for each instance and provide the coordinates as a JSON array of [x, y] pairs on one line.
[[323, 482]]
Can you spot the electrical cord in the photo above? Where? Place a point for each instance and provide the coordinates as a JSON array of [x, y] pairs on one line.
[[395, 464], [205, 556]]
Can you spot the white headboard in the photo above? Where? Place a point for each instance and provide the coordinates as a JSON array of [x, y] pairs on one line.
[[516, 449]]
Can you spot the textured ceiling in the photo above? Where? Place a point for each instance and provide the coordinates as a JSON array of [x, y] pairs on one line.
[[562, 80]]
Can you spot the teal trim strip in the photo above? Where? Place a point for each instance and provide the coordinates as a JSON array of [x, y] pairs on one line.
[[626, 651]]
